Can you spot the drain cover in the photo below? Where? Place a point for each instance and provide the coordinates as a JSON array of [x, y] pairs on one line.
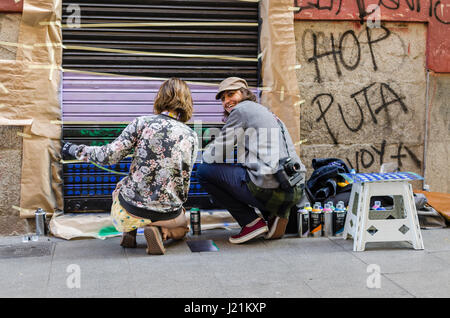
[[26, 250]]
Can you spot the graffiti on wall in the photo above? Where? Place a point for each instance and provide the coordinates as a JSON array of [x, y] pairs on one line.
[[336, 49], [375, 104], [365, 158], [389, 98], [435, 9], [435, 13]]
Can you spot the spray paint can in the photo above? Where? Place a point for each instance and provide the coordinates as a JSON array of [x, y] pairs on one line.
[[327, 220], [41, 228], [378, 206], [195, 221], [307, 207], [332, 207], [316, 220], [339, 219], [303, 222]]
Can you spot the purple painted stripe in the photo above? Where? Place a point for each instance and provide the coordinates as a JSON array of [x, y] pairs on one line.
[[108, 96], [105, 98], [80, 84], [129, 117], [119, 95], [118, 107]]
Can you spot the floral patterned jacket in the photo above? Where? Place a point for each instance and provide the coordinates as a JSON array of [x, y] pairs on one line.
[[165, 151]]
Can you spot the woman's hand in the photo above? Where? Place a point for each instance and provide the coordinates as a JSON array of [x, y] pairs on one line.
[[69, 149]]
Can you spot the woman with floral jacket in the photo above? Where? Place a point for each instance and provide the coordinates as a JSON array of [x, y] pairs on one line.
[[165, 149]]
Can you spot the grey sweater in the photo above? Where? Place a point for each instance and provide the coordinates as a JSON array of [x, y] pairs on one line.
[[257, 133]]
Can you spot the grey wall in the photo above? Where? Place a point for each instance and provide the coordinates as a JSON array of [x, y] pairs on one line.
[[437, 161], [10, 146], [365, 103]]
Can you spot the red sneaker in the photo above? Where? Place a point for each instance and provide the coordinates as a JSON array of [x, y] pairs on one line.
[[250, 231]]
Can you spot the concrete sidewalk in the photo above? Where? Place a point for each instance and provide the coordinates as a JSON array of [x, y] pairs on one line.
[[291, 267]]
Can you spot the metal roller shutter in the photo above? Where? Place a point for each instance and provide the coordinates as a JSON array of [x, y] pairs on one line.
[[87, 188], [96, 106], [224, 40]]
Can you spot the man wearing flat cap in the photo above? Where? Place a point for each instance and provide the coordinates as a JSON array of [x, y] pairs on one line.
[[269, 174]]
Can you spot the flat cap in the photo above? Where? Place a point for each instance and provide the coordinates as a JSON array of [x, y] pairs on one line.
[[231, 83]]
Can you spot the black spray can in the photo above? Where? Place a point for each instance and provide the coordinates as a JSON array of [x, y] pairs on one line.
[[303, 222], [195, 221], [339, 215]]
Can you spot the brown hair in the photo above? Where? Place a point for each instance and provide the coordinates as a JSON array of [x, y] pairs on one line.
[[174, 96], [246, 95]]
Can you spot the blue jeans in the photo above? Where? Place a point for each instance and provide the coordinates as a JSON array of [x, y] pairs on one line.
[[227, 184]]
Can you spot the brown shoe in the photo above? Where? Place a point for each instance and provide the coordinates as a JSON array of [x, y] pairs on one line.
[[277, 227], [128, 239], [155, 244]]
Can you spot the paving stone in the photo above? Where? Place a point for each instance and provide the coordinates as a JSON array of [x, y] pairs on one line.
[[290, 267]]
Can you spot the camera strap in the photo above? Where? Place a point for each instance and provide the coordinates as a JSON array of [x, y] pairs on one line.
[[280, 123], [282, 131]]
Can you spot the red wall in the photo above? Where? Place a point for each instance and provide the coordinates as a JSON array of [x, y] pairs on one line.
[[434, 12], [11, 6]]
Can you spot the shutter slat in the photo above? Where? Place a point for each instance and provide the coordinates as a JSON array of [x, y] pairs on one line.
[[223, 40]]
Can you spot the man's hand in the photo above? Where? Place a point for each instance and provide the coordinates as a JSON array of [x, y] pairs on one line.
[[69, 149]]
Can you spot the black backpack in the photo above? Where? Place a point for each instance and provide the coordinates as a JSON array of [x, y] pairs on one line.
[[323, 185]]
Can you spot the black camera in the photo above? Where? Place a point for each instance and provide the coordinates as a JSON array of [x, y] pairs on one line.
[[288, 173]]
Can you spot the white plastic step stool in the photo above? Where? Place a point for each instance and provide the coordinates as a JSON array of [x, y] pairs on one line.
[[399, 224]]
